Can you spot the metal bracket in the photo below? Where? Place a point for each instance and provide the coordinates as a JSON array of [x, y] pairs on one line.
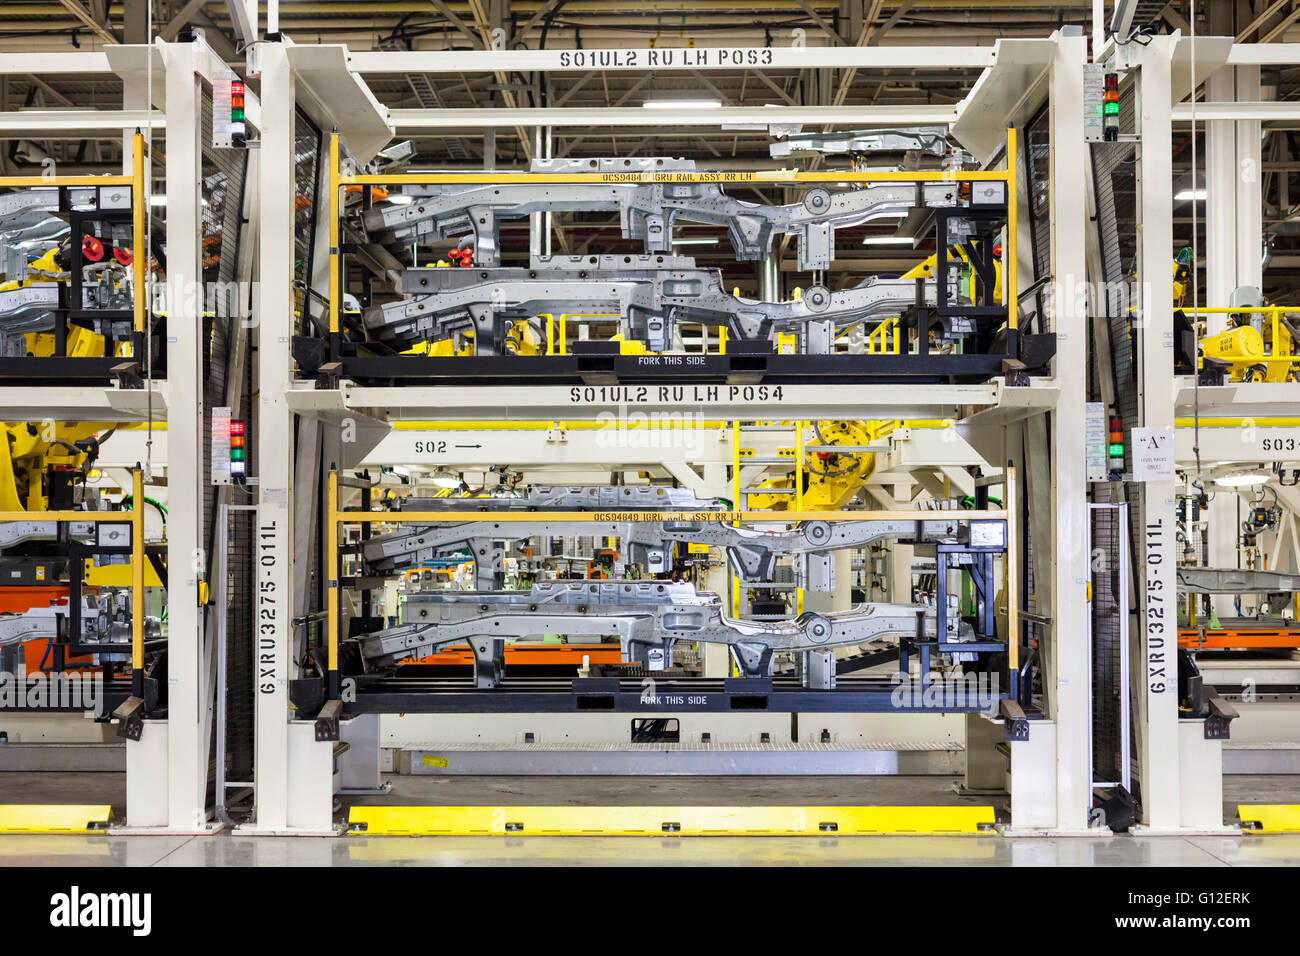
[[130, 718], [327, 721], [1220, 717], [1015, 726]]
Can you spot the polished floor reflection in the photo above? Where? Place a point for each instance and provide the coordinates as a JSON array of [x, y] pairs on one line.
[[231, 849]]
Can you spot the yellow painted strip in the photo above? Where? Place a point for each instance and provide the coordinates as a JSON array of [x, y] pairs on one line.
[[1013, 233], [1239, 422], [53, 818], [137, 569], [51, 182], [672, 821], [91, 517], [332, 549], [1270, 817], [336, 293], [499, 426], [139, 247]]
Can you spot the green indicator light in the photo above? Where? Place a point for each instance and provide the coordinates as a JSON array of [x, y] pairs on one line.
[[237, 114], [236, 454], [1116, 451], [1110, 109]]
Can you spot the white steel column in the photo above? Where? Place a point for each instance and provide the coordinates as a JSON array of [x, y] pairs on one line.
[[1069, 223], [1156, 678], [274, 303], [186, 742], [1233, 250], [1220, 201], [1250, 179], [1220, 279]]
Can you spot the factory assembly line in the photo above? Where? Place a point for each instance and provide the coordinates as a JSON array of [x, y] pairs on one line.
[[459, 423]]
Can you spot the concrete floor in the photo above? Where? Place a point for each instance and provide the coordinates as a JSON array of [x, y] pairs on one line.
[[933, 790], [232, 849], [235, 850]]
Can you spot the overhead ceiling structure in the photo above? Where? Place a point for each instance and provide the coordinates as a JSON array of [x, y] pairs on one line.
[[641, 25]]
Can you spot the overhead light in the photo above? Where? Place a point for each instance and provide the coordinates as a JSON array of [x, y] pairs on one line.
[[685, 104], [157, 200], [447, 482], [1243, 479], [702, 241], [1184, 194], [887, 240], [400, 199]]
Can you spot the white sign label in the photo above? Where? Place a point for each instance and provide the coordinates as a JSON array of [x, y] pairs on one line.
[[1096, 437], [1094, 89], [1153, 454], [221, 446]]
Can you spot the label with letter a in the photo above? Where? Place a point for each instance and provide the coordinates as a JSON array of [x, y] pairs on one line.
[[1153, 454]]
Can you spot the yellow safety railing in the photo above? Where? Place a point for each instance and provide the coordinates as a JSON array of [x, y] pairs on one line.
[[1279, 349], [338, 180], [135, 179], [884, 338], [135, 518]]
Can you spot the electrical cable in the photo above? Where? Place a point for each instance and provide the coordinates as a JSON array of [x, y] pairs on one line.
[[1199, 483]]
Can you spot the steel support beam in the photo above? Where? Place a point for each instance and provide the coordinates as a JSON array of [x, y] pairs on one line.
[[187, 745], [1069, 223], [1156, 676], [274, 318]]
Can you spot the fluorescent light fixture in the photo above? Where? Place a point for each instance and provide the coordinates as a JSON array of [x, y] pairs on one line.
[[887, 240], [157, 200], [400, 199], [444, 481], [1184, 194], [1243, 479], [695, 103], [702, 241]]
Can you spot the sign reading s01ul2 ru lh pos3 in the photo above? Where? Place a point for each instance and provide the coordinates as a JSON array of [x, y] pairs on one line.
[[689, 57]]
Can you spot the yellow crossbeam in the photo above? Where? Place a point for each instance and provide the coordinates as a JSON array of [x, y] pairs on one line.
[[53, 818], [670, 821]]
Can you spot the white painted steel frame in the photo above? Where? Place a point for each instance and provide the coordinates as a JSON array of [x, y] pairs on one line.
[[1067, 693], [275, 434], [180, 775], [1157, 710], [188, 691], [1157, 679]]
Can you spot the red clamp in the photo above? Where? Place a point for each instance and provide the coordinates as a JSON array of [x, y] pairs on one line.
[[92, 248], [462, 257], [123, 257]]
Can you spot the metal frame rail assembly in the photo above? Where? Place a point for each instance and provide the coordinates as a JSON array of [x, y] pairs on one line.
[[988, 337], [82, 212], [756, 689], [127, 701]]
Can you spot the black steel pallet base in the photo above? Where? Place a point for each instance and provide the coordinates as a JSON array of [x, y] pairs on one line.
[[61, 370], [735, 368], [399, 695]]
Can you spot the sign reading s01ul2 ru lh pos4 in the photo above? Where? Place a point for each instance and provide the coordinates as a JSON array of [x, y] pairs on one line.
[[673, 394]]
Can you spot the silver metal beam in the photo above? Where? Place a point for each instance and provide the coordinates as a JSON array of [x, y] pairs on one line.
[[920, 115]]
